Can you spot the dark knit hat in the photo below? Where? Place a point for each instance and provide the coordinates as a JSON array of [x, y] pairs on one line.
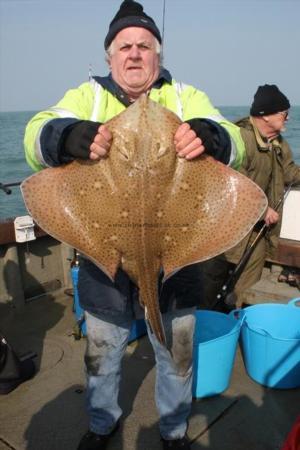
[[268, 99], [130, 14]]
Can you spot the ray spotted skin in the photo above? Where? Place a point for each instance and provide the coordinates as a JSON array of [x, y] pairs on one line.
[[143, 208]]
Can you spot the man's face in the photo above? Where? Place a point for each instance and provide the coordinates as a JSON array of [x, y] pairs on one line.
[[134, 62], [277, 121]]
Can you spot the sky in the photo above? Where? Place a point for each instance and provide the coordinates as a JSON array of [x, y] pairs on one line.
[[226, 48]]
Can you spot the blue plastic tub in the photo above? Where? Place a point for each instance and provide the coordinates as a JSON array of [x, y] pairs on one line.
[[270, 340], [138, 328], [215, 344]]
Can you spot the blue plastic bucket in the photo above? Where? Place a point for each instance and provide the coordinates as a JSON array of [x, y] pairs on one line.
[[215, 344], [138, 327], [270, 340]]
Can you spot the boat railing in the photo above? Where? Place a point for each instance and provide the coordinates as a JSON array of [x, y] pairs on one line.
[[5, 187]]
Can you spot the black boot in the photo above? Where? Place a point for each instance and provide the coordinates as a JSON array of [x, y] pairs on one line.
[[176, 444], [93, 441]]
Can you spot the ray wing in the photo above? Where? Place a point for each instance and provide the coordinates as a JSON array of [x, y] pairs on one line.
[[211, 208]]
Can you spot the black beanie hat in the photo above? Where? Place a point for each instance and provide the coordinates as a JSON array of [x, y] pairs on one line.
[[130, 14], [268, 99]]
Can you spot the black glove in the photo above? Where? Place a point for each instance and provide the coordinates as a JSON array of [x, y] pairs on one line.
[[214, 137], [205, 131], [78, 137]]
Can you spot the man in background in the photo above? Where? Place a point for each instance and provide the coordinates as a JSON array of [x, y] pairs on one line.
[[268, 162]]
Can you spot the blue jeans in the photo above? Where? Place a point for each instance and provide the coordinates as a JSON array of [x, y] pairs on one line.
[[107, 337]]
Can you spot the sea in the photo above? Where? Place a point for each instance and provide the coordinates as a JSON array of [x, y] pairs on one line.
[[14, 169]]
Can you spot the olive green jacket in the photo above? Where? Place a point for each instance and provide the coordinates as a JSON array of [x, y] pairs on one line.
[[271, 166]]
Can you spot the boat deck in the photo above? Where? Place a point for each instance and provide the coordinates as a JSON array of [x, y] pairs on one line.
[[48, 413]]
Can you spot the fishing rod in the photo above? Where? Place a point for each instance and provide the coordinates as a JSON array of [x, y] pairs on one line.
[[5, 186], [223, 298], [163, 30]]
